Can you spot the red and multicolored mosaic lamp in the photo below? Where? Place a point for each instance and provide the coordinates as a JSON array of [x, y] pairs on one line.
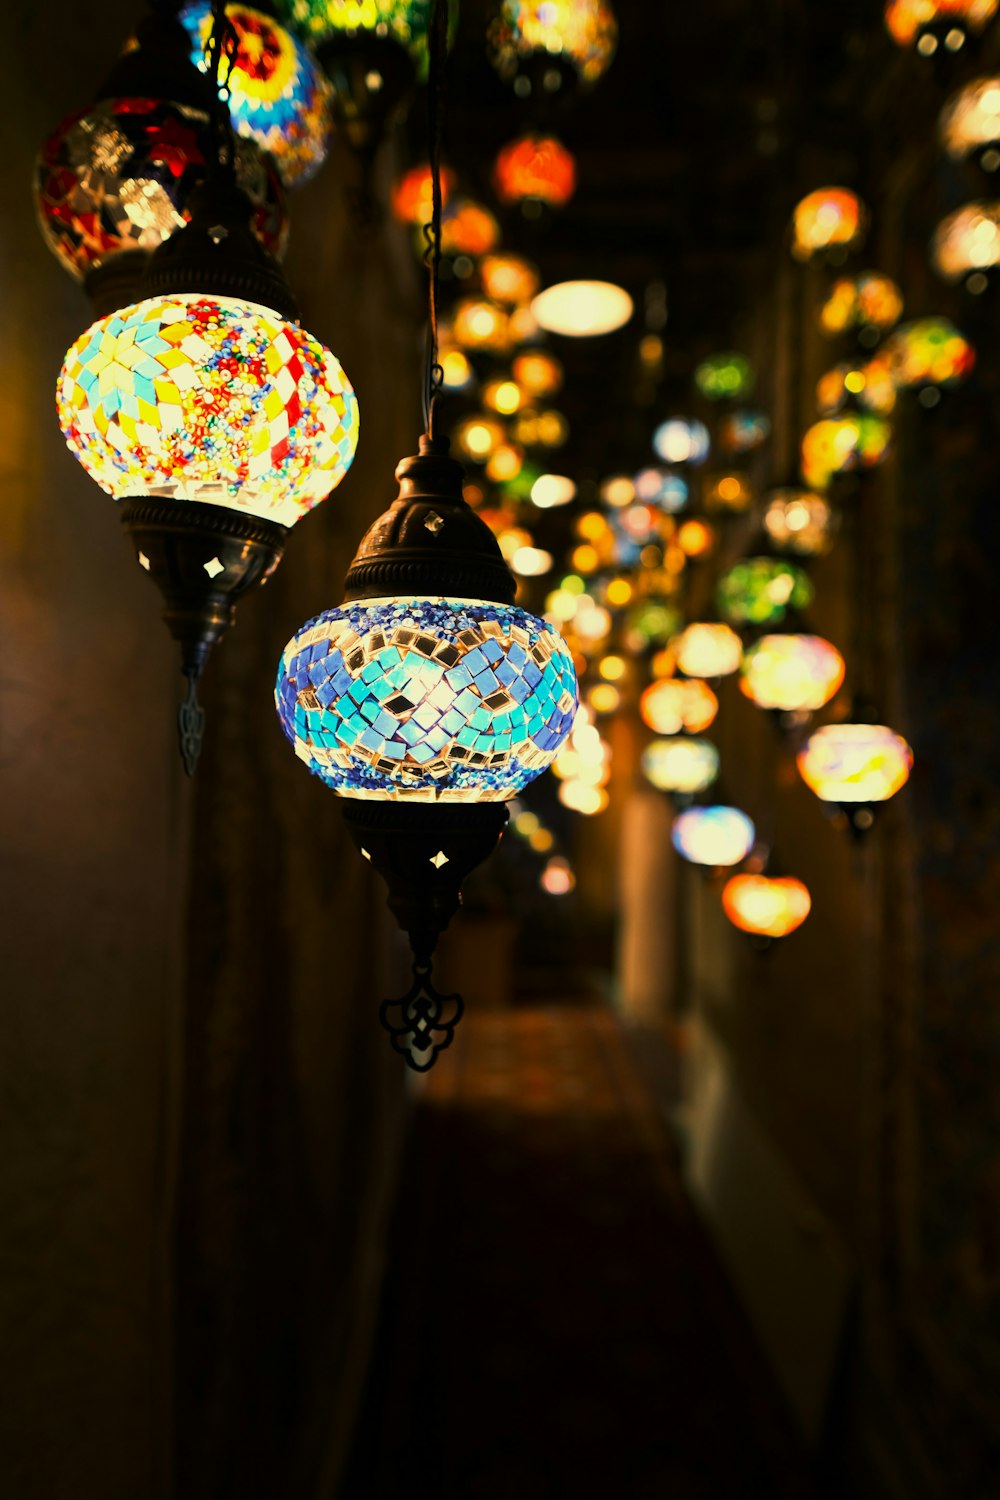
[[213, 419], [116, 179], [535, 169]]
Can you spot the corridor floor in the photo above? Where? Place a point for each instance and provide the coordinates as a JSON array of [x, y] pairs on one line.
[[554, 1323]]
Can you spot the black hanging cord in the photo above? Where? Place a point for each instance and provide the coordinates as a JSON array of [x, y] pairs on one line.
[[434, 375], [220, 51]]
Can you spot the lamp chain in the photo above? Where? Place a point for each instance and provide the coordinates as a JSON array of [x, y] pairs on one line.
[[432, 231], [220, 51]]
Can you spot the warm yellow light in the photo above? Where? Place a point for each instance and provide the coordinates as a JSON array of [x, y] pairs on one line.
[[508, 278], [557, 879], [504, 463], [768, 907], [792, 673], [585, 558], [538, 373], [582, 309], [476, 437], [695, 538], [674, 704], [591, 526], [456, 370], [855, 763], [581, 798], [551, 429], [705, 650], [592, 623], [525, 823], [618, 592], [503, 396], [618, 490], [612, 668], [651, 349], [511, 540], [531, 562], [550, 490], [541, 841], [603, 698]]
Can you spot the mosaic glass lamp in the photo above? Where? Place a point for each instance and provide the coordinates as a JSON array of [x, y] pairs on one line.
[[869, 304], [674, 704], [855, 767], [373, 51], [791, 674], [725, 377], [966, 245], [412, 195], [929, 352], [842, 445], [708, 650], [535, 169], [278, 96], [762, 591], [766, 906], [213, 419], [681, 766], [799, 521], [827, 224], [542, 46], [427, 700], [928, 25], [714, 836], [115, 180], [969, 124]]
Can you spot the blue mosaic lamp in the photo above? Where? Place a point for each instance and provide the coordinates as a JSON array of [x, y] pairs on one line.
[[427, 701]]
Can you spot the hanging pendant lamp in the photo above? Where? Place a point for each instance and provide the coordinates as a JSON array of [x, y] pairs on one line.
[[212, 417], [427, 700]]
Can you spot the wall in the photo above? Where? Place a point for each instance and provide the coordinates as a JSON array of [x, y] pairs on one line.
[[198, 1112]]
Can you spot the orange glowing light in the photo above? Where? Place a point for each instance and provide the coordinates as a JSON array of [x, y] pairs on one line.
[[411, 197], [468, 229], [509, 279], [536, 166], [830, 219], [538, 373], [792, 673], [695, 538], [908, 21], [855, 763], [766, 906]]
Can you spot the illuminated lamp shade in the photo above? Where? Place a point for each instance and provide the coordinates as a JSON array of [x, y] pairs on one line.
[[695, 538], [508, 279], [966, 244], [503, 396], [870, 301], [663, 488], [791, 673], [828, 222], [372, 52], [929, 352], [214, 420], [681, 765], [855, 766], [538, 373], [725, 377], [840, 445], [743, 431], [652, 622], [478, 324], [456, 372], [535, 169], [681, 440], [761, 591], [551, 490], [467, 228], [504, 463], [427, 701], [714, 836], [412, 194], [706, 650], [582, 309], [116, 180], [800, 522], [871, 386], [676, 703], [278, 96], [764, 906], [730, 493], [969, 124], [545, 45], [925, 24], [477, 437]]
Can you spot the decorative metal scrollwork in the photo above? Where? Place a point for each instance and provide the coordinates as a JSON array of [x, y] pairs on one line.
[[422, 1022], [191, 725]]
